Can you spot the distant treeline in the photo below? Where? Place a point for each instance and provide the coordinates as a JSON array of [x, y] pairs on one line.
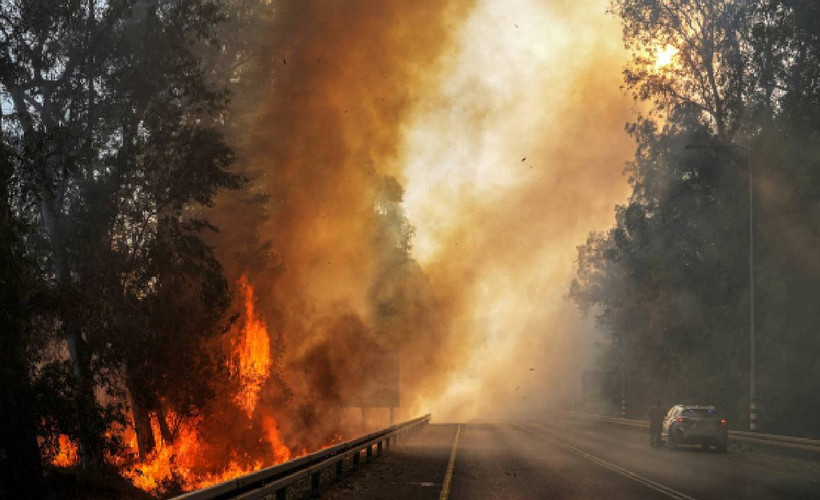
[[739, 102]]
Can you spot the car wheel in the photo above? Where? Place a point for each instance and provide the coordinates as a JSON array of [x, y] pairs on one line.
[[721, 448], [673, 440]]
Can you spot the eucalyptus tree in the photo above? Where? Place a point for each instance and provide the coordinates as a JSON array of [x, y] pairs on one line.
[[706, 77], [670, 280], [19, 456], [115, 128]]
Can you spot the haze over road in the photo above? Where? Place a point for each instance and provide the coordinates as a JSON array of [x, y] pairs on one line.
[[540, 460]]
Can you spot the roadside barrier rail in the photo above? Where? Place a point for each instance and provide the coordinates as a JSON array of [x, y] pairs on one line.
[[277, 479], [809, 445]]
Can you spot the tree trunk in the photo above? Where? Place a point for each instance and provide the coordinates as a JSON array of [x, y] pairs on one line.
[[142, 424], [165, 431], [20, 468], [90, 450]]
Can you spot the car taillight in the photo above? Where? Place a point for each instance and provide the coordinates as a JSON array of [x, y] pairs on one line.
[[680, 419], [723, 421]]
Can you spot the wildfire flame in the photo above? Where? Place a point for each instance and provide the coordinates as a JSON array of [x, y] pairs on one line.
[[66, 453], [181, 462], [281, 453], [252, 352], [186, 461]]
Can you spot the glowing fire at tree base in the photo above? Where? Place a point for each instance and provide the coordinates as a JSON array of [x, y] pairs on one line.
[[182, 463]]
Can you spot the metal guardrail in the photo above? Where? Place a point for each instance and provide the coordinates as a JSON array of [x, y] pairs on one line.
[[277, 479], [770, 440]]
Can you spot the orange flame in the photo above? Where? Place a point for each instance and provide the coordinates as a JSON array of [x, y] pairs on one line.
[[281, 453], [180, 463], [187, 460], [66, 455], [252, 353], [183, 463]]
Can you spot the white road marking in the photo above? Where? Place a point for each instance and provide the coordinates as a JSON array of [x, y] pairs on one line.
[[448, 477], [620, 470]]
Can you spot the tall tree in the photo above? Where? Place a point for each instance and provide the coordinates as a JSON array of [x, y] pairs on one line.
[[118, 127], [670, 281], [19, 454], [706, 77]]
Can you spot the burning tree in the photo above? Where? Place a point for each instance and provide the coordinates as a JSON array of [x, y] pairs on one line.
[[112, 126], [114, 117]]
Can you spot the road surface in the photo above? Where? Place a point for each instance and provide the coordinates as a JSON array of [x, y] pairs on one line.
[[572, 461]]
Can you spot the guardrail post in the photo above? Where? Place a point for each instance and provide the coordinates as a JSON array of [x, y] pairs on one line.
[[315, 482], [753, 415], [273, 482]]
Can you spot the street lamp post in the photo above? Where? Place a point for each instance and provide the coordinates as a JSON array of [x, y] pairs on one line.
[[753, 408], [752, 380], [623, 393]]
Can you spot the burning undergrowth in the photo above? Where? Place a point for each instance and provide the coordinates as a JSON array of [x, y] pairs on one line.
[[264, 411], [230, 437]]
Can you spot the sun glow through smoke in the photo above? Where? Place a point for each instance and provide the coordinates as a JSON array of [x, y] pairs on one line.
[[666, 57]]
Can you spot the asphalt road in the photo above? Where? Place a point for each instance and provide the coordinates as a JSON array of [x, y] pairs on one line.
[[573, 461]]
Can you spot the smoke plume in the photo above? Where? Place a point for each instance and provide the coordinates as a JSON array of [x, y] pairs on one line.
[[509, 166], [497, 127], [321, 234]]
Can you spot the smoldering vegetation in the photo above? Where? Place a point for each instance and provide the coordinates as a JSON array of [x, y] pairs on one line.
[[671, 281]]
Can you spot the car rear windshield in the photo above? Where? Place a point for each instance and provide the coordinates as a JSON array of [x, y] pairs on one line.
[[699, 412]]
